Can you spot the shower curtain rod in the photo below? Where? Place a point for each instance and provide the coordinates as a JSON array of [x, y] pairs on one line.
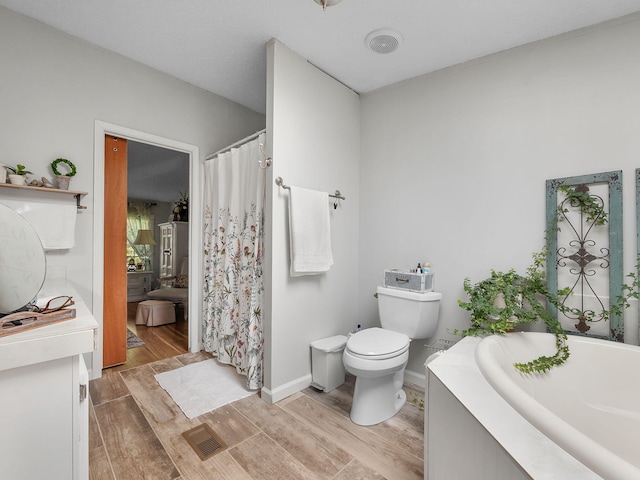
[[239, 142]]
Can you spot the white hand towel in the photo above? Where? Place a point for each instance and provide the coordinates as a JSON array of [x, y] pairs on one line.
[[309, 232], [54, 222]]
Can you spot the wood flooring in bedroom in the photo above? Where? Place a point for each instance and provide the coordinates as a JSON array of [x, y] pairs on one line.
[[136, 433], [161, 342]]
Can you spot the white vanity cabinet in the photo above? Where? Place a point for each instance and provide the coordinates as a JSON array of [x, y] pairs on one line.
[[174, 246], [138, 285], [44, 425]]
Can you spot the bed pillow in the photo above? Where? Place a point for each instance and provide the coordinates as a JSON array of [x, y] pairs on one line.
[[182, 281]]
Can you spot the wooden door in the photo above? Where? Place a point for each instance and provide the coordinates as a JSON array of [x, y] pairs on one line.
[[114, 333]]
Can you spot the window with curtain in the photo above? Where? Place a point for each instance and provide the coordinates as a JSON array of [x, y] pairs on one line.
[[138, 218]]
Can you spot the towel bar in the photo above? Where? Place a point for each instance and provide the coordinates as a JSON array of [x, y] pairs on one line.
[[280, 183]]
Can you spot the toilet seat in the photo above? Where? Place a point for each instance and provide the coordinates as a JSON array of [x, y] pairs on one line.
[[377, 344]]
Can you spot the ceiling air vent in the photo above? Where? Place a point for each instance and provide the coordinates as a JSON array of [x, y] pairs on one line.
[[384, 40]]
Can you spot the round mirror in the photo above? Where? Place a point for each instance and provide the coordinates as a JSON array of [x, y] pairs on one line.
[[23, 264]]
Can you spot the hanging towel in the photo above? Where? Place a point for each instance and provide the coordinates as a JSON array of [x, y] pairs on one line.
[[54, 222], [309, 232]]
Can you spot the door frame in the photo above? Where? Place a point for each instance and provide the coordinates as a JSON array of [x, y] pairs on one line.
[[195, 226]]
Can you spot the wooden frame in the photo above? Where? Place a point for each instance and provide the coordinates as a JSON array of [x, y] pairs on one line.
[[613, 180]]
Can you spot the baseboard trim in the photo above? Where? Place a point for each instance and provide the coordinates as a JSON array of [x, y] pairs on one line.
[[417, 379], [283, 391], [294, 386]]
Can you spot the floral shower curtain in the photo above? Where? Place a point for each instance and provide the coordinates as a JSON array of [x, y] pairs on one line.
[[234, 193]]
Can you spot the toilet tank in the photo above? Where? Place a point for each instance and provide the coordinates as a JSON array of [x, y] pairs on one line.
[[412, 313]]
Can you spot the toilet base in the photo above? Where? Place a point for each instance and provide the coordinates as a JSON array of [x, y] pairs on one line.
[[377, 399]]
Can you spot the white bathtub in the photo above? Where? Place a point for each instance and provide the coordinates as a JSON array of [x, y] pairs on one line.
[[590, 407], [472, 431]]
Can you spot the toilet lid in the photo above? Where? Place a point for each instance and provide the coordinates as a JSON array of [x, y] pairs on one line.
[[377, 342]]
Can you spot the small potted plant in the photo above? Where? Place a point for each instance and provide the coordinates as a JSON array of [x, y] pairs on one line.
[[18, 175], [63, 179], [506, 299]]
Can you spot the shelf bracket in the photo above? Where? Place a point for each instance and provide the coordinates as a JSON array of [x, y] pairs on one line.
[[80, 207]]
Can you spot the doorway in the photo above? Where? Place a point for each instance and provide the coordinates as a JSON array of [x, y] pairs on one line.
[[102, 129], [154, 181], [158, 200]]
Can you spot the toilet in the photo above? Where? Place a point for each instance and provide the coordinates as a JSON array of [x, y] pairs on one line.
[[377, 356]]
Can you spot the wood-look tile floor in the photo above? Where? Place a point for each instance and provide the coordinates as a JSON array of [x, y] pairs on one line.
[[136, 431]]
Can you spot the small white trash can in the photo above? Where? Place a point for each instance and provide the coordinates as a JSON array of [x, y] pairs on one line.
[[327, 369]]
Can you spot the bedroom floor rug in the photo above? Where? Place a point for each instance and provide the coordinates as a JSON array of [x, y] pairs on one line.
[[204, 386], [133, 340]]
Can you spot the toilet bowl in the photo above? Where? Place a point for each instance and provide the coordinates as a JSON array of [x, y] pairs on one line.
[[378, 356]]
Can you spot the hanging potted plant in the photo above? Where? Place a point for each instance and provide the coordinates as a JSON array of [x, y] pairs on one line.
[[18, 175], [63, 179]]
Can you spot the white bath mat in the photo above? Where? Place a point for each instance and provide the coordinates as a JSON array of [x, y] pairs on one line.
[[204, 386]]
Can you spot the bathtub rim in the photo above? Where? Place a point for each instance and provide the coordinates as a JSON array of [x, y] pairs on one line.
[[525, 444], [599, 459]]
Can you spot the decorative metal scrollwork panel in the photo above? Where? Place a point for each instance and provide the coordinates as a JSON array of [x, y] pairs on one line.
[[584, 263]]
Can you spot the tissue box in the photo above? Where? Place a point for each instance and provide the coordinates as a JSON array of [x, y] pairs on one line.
[[414, 282]]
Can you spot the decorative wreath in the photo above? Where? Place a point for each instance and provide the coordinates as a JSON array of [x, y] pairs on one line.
[[54, 167]]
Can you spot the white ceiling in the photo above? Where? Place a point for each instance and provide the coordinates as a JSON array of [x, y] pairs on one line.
[[155, 173], [219, 45]]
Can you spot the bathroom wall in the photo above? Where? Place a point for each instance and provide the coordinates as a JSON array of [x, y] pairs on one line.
[[313, 124], [54, 88], [453, 164], [448, 167]]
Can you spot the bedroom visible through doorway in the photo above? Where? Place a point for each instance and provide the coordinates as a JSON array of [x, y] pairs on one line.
[[155, 182]]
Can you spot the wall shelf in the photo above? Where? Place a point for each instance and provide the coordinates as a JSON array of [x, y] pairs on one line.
[[78, 195]]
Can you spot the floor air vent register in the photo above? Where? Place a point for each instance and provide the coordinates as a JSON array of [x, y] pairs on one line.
[[204, 441]]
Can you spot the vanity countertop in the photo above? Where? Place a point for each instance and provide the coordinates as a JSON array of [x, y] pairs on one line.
[[70, 337]]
